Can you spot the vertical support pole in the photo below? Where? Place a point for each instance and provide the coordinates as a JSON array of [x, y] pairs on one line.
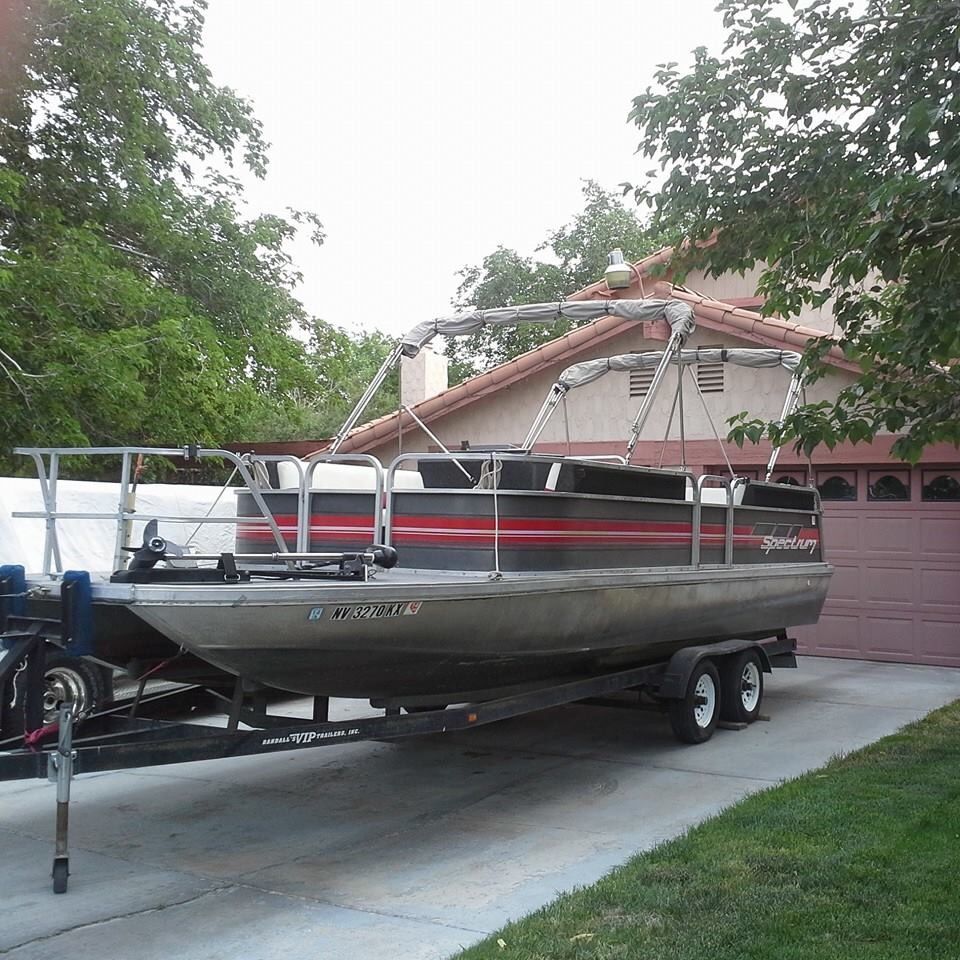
[[789, 405], [48, 490], [683, 435], [118, 557], [728, 532], [54, 539], [305, 517], [321, 709], [695, 528], [61, 769], [673, 344], [303, 508], [236, 706]]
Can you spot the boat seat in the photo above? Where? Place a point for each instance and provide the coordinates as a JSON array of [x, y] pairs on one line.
[[718, 495], [344, 478], [605, 479]]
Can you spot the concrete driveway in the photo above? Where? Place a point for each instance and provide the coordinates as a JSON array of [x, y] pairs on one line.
[[412, 849]]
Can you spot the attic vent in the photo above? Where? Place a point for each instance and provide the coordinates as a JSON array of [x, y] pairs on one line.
[[640, 381], [710, 375]]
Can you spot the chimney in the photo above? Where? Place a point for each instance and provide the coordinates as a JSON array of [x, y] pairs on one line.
[[422, 377]]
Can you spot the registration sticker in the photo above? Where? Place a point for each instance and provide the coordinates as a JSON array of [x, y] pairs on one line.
[[376, 611]]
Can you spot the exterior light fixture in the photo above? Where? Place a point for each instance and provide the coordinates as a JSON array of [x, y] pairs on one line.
[[618, 273]]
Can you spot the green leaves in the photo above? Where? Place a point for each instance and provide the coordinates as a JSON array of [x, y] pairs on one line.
[[827, 147], [137, 303], [578, 251]]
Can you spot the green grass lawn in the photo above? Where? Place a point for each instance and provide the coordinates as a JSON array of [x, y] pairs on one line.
[[860, 859]]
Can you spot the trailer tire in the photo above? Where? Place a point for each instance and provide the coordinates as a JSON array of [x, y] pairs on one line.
[[694, 717], [741, 687], [61, 872], [88, 685]]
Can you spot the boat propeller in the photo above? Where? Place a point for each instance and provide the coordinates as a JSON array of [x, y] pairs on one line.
[[153, 549]]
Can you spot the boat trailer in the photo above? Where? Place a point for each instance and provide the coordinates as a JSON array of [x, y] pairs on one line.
[[138, 732]]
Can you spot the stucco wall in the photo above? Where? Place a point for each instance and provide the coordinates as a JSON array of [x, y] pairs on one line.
[[604, 410]]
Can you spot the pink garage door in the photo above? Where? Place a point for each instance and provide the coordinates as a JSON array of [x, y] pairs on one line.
[[893, 537]]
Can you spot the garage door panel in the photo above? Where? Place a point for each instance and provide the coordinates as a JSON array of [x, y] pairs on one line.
[[940, 537], [939, 642], [888, 584], [845, 582], [886, 636], [837, 634], [940, 588], [887, 535], [841, 533]]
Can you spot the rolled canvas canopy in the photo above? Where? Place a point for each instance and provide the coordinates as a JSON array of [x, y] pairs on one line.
[[586, 372], [678, 314]]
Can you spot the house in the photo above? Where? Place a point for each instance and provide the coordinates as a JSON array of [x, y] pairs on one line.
[[893, 531]]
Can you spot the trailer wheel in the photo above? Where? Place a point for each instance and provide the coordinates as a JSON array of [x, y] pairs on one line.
[[87, 685], [741, 687], [60, 873], [695, 716]]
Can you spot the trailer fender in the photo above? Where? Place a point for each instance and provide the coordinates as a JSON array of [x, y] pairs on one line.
[[682, 664]]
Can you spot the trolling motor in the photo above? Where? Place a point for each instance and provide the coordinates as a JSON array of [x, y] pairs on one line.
[[385, 557], [142, 567], [153, 549]]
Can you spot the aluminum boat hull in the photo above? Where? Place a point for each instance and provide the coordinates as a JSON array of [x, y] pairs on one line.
[[421, 634]]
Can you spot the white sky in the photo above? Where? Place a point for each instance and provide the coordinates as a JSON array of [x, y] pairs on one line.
[[426, 133]]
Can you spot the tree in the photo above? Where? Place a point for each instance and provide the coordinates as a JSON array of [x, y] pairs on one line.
[[341, 366], [506, 278], [137, 303], [825, 143]]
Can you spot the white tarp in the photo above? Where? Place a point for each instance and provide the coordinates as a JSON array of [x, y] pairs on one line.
[[580, 374], [678, 314], [89, 544]]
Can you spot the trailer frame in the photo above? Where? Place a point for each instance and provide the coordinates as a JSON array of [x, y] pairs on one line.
[[130, 734]]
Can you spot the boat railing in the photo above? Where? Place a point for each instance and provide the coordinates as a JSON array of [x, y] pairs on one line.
[[728, 486], [306, 488], [488, 481], [48, 463]]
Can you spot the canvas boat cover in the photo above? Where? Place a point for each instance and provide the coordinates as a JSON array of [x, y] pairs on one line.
[[89, 544], [587, 371], [678, 314]]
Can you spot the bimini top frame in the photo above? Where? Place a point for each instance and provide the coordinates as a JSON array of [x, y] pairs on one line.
[[580, 374], [678, 314]]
